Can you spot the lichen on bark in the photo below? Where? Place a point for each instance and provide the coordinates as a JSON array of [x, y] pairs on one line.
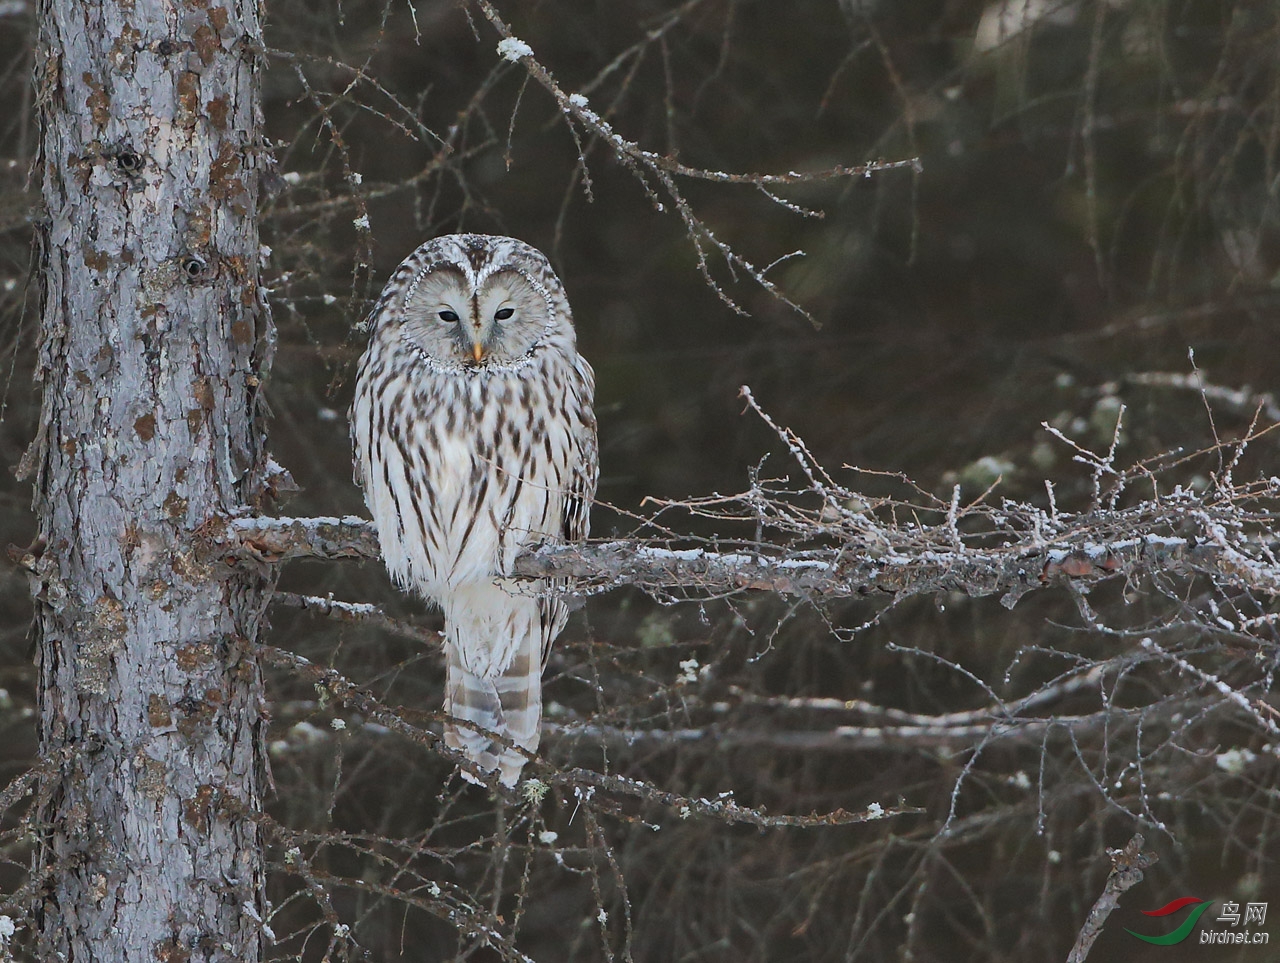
[[155, 341]]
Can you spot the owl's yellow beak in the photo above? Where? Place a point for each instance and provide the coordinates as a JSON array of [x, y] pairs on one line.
[[477, 352]]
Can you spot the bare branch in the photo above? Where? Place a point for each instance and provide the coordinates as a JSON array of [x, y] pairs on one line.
[[838, 738], [658, 174], [281, 539], [1127, 867], [1100, 545], [585, 783], [355, 612]]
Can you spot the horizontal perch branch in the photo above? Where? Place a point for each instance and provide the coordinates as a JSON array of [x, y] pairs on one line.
[[1102, 545], [822, 540]]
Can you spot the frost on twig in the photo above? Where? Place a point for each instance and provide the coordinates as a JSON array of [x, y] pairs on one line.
[[823, 539], [610, 792], [308, 200], [660, 174]]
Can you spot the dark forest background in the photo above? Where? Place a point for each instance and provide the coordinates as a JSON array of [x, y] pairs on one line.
[[1096, 200]]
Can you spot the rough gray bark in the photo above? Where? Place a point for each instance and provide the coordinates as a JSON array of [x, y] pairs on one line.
[[1104, 544], [154, 339]]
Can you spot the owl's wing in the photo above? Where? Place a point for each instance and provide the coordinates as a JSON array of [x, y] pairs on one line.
[[360, 418], [581, 490], [579, 493], [585, 470]]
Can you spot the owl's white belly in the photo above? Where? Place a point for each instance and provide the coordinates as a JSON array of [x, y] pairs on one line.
[[460, 496]]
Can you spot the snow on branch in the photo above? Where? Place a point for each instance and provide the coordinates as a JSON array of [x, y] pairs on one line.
[[821, 540], [916, 566], [281, 539], [841, 738], [658, 173]]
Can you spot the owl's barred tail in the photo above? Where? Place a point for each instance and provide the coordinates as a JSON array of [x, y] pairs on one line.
[[474, 699], [509, 704]]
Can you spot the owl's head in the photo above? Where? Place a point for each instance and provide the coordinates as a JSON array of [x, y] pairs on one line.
[[476, 302]]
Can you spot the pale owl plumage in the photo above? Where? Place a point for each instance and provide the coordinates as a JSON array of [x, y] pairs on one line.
[[475, 439]]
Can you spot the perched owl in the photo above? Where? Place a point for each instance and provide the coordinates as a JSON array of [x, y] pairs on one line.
[[474, 440]]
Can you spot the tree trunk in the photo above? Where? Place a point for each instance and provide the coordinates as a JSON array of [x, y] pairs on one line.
[[155, 336]]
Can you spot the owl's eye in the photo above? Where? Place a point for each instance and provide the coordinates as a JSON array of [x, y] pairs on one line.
[[450, 317], [503, 313]]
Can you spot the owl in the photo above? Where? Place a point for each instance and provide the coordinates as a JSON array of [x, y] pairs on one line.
[[474, 441]]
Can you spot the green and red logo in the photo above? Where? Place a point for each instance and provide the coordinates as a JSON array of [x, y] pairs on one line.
[[1183, 931]]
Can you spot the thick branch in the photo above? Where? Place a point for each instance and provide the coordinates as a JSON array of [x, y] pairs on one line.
[[1010, 570], [281, 539]]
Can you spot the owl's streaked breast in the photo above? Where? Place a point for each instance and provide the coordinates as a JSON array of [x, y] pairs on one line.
[[462, 473]]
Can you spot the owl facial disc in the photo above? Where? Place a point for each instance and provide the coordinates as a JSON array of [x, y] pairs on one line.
[[477, 320]]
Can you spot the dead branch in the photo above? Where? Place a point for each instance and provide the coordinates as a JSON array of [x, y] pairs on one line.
[[1091, 679], [835, 738], [281, 539], [819, 540], [356, 613], [823, 540], [1084, 549], [1127, 866], [583, 783], [658, 174]]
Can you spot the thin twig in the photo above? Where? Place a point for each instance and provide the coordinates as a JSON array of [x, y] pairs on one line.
[[1127, 868]]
